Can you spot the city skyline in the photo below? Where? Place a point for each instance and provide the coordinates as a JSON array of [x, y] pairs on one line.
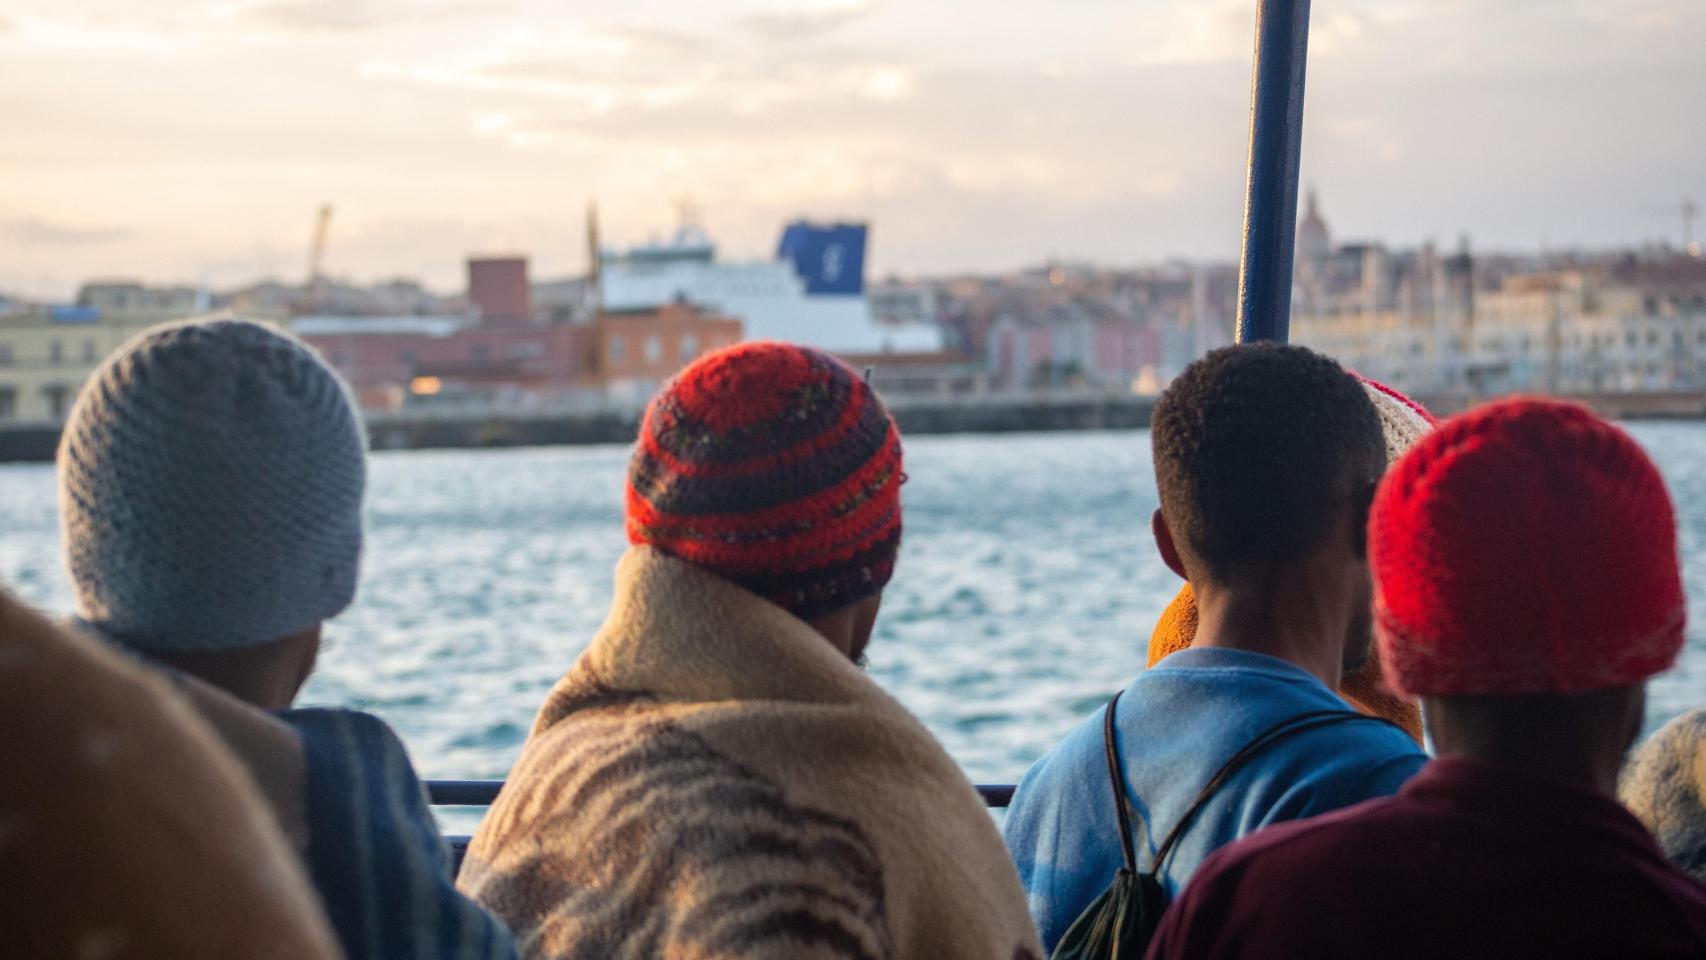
[[193, 142]]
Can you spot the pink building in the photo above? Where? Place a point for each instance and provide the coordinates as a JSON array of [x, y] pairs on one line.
[[1074, 350]]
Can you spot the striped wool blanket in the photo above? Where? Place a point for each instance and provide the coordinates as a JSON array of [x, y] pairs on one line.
[[712, 779]]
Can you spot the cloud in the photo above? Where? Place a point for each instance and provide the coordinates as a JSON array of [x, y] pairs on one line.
[[642, 41], [662, 77], [47, 233], [313, 16], [807, 24], [351, 16]]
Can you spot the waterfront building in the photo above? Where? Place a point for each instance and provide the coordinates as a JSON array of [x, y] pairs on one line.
[[498, 290], [636, 351], [1467, 326], [46, 353], [621, 357], [1073, 344], [391, 362], [277, 300], [115, 297]]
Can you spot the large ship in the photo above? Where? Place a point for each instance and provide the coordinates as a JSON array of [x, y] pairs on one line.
[[811, 292]]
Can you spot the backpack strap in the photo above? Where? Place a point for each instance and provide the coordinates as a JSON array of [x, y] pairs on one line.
[[1279, 731], [1117, 779]]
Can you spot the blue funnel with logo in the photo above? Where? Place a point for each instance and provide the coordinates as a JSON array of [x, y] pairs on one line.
[[830, 257]]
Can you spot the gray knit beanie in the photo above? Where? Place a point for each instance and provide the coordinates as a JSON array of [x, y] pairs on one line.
[[210, 486]]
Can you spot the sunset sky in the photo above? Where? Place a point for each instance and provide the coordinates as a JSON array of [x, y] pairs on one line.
[[176, 140]]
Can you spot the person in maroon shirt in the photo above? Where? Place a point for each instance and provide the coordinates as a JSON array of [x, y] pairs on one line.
[[1527, 587]]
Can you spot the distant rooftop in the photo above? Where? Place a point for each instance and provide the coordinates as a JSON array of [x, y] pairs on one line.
[[325, 326]]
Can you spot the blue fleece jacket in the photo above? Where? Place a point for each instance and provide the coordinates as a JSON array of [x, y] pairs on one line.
[[1177, 724]]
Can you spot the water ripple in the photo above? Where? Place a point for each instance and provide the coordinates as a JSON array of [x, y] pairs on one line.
[[1025, 593]]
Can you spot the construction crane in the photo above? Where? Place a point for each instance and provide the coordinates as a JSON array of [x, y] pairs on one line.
[[1688, 210], [316, 251]]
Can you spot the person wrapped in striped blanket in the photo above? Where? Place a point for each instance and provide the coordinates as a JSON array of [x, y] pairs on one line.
[[715, 777]]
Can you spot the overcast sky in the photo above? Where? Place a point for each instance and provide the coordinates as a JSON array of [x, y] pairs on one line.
[[193, 141]]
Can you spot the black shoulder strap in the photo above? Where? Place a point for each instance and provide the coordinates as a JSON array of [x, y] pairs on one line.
[[1117, 779], [1279, 731]]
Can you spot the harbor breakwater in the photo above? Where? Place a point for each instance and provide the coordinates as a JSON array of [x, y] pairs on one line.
[[472, 428], [987, 413]]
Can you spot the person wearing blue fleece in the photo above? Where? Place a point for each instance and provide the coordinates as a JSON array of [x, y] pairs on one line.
[[211, 478], [1266, 458]]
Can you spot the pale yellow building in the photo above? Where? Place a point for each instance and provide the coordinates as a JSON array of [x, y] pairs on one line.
[[47, 354]]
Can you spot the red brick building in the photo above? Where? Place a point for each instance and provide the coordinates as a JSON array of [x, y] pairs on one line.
[[386, 359], [499, 290], [625, 356], [636, 352]]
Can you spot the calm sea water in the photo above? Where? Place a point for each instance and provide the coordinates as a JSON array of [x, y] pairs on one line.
[[1026, 590]]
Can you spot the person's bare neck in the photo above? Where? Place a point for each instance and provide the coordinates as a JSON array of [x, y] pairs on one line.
[[1580, 739], [1282, 619], [1543, 759], [848, 629], [268, 676]]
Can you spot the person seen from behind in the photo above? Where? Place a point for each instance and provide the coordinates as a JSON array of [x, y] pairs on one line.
[[1266, 457], [715, 777], [211, 477], [1527, 587], [1402, 423], [126, 828]]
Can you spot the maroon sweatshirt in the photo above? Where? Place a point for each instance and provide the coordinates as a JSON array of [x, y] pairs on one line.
[[1468, 860]]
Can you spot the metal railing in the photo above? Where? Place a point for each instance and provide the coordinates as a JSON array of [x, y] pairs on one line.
[[481, 793]]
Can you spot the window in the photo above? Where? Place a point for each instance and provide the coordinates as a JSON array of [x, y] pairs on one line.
[[689, 347], [406, 356], [55, 393], [55, 352], [618, 347], [527, 351], [8, 403], [480, 354], [654, 349], [89, 351], [6, 354]]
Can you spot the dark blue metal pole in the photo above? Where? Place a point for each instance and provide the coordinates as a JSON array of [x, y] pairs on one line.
[[1270, 190]]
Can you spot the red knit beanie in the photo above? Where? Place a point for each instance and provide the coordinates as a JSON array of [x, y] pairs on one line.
[[776, 467], [1525, 547]]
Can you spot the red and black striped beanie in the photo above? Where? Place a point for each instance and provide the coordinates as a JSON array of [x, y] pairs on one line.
[[776, 467]]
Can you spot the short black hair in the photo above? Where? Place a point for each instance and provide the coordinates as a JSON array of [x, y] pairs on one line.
[[1259, 450]]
